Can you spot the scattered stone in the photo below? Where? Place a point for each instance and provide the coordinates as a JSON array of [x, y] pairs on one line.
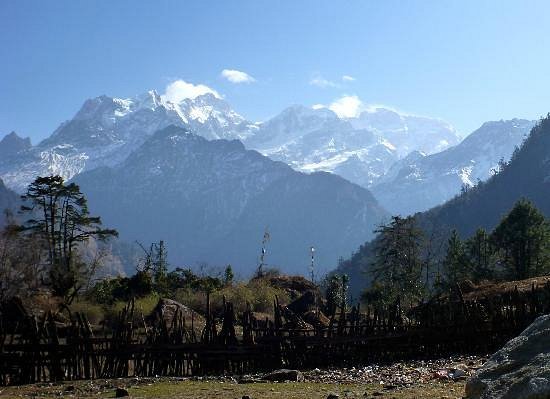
[[520, 370], [121, 393], [400, 374], [332, 396], [246, 397], [284, 375], [246, 379], [458, 374]]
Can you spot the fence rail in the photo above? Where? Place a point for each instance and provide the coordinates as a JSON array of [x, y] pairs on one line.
[[34, 350]]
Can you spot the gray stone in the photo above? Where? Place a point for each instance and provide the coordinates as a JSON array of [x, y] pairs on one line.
[[458, 374], [284, 375], [520, 370]]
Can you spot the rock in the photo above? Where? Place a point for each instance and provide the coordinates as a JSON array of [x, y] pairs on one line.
[[295, 286], [441, 374], [121, 393], [167, 309], [316, 318], [246, 397], [520, 370], [306, 303], [284, 375], [458, 374], [332, 396]]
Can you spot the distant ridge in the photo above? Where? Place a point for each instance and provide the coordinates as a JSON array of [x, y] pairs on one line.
[[212, 201]]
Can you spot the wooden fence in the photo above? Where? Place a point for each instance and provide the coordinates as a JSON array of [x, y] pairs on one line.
[[34, 350]]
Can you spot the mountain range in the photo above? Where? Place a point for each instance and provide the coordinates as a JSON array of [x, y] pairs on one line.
[[212, 201], [106, 130], [410, 163], [360, 149], [419, 182]]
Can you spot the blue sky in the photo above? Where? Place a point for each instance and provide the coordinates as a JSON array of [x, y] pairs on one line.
[[463, 61]]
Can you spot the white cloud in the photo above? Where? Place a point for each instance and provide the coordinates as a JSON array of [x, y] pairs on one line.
[[347, 106], [235, 76], [321, 82], [347, 78], [179, 90], [318, 106]]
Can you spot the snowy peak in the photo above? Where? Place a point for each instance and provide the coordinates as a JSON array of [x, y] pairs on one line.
[[406, 132], [212, 117], [292, 124], [361, 149], [419, 182]]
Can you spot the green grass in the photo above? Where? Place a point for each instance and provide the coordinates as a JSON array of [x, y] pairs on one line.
[[207, 390]]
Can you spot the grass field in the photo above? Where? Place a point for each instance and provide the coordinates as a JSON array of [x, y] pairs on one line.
[[224, 390]]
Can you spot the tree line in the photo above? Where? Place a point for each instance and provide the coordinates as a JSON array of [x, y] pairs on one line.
[[407, 267]]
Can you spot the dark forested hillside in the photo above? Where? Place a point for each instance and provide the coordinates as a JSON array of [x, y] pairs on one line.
[[527, 175], [212, 201]]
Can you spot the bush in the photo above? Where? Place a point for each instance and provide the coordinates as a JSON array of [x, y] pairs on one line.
[[93, 312], [142, 307], [258, 293]]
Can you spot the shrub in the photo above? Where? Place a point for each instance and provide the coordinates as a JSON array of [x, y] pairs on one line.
[[93, 312]]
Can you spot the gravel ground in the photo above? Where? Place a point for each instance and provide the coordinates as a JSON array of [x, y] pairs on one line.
[[414, 379]]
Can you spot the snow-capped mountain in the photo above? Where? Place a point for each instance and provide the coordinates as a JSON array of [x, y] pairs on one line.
[[419, 182], [106, 130], [407, 133], [382, 149], [360, 149], [212, 200]]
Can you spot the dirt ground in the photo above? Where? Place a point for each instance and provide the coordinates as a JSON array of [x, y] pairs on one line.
[[186, 389]]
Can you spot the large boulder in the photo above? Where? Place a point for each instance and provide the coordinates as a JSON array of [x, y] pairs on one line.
[[295, 286], [309, 301], [520, 370], [167, 309]]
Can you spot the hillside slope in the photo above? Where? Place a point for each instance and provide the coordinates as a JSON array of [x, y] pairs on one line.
[[527, 175]]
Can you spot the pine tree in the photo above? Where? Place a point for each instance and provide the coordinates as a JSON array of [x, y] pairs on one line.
[[456, 267], [397, 268], [480, 256], [58, 214], [228, 275], [523, 242]]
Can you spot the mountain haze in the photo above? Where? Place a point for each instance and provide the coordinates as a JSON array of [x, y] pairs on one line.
[[420, 182], [212, 201], [8, 202]]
